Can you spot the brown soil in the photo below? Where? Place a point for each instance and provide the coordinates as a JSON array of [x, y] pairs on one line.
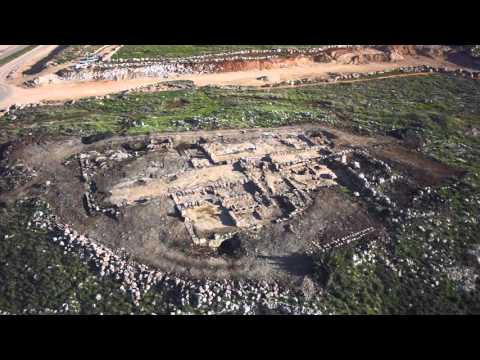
[[241, 65], [424, 171]]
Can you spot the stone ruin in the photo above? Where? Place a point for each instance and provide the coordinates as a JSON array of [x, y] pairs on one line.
[[275, 177], [93, 161], [230, 184]]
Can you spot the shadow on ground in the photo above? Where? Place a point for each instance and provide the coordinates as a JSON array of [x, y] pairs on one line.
[[295, 264]]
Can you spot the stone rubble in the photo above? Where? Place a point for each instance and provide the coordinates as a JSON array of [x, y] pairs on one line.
[[246, 297]]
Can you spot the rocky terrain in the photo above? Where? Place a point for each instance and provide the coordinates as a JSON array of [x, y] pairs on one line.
[[107, 202]]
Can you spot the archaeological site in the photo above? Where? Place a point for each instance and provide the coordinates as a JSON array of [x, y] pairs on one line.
[[225, 179]]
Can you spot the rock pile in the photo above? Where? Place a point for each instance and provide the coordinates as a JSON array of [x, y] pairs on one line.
[[15, 175]]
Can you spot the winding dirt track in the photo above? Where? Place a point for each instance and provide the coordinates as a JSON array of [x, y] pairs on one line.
[[13, 94], [9, 92]]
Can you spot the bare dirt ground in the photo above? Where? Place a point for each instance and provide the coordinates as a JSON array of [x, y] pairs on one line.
[[13, 69], [3, 48], [7, 50], [424, 171], [70, 91], [304, 70]]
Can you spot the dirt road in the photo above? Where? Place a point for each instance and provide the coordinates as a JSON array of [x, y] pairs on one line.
[[8, 91], [297, 72], [7, 50]]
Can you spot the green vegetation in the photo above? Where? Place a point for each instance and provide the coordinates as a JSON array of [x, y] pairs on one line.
[[72, 52], [444, 109], [374, 288], [37, 275], [473, 50], [174, 51], [437, 104], [15, 55]]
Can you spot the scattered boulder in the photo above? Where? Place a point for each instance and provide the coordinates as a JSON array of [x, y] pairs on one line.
[[308, 288]]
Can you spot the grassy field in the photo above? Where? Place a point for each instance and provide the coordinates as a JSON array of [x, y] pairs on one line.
[[173, 51], [445, 109]]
